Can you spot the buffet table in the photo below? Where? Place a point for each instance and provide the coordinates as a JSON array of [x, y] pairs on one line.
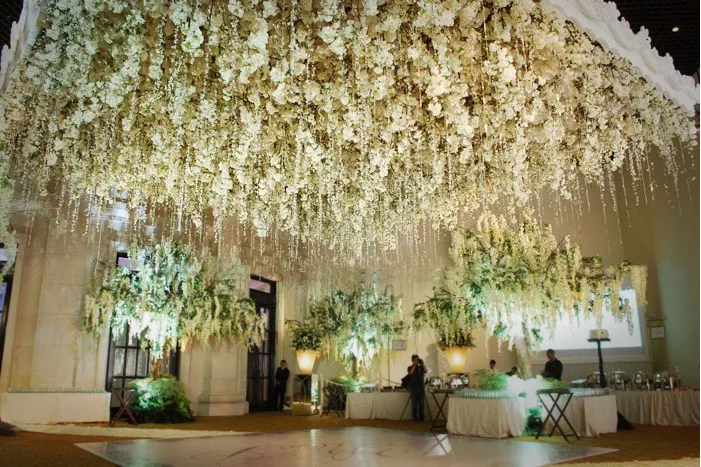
[[384, 405], [590, 415], [488, 418], [680, 408]]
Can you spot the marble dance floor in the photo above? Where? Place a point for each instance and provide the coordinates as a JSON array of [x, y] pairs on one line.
[[358, 446]]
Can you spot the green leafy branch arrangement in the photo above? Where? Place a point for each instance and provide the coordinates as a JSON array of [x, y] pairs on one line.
[[451, 316], [172, 297], [356, 325]]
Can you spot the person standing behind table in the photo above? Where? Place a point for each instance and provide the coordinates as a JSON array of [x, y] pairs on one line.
[[553, 367], [418, 393], [282, 374]]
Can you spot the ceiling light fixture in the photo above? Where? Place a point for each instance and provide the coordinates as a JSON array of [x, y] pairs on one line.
[[675, 29]]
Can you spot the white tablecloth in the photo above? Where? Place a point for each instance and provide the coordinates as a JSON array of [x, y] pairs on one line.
[[589, 415], [384, 405], [488, 418], [680, 408]]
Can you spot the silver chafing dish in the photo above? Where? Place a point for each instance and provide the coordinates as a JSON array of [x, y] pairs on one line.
[[366, 388], [458, 381], [434, 383], [666, 381], [594, 380], [641, 381], [618, 380]]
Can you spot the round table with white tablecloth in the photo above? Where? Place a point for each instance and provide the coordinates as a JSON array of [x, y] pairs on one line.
[[488, 418]]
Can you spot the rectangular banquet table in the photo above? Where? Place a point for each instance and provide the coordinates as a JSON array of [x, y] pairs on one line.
[[383, 405], [590, 415], [488, 418], [680, 408]]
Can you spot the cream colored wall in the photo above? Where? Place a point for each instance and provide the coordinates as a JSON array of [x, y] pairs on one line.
[[44, 350], [664, 234]]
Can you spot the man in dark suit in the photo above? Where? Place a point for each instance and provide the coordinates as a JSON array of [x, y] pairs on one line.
[[282, 374], [418, 393], [553, 367]]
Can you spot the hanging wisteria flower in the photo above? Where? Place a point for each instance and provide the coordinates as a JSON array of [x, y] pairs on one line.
[[522, 280], [170, 297], [342, 122]]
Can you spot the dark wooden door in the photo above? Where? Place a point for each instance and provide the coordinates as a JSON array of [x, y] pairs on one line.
[[5, 289], [261, 359]]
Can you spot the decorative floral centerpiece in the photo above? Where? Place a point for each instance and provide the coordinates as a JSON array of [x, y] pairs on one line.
[[306, 340], [347, 122], [171, 297], [451, 316]]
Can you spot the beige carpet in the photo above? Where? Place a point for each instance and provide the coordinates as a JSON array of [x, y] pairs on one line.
[[121, 432], [687, 462]]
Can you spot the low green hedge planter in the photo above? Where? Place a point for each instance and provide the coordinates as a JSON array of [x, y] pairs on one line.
[[160, 400]]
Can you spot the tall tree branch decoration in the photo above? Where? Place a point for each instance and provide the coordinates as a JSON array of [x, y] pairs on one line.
[[356, 325], [526, 280], [172, 297]]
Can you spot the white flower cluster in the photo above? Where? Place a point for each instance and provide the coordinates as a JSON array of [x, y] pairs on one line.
[[523, 280], [172, 298], [346, 122]]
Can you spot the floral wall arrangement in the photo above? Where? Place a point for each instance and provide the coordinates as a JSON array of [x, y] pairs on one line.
[[347, 122], [170, 297]]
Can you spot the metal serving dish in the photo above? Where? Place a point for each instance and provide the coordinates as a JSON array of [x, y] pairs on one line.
[[594, 380], [434, 383], [666, 381], [641, 381], [618, 380], [458, 381]]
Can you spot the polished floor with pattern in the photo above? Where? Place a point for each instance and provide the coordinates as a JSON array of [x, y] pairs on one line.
[[338, 447]]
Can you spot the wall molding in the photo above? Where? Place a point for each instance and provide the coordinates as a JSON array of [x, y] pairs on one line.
[[600, 20]]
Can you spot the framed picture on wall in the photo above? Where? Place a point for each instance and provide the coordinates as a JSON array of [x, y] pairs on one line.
[[657, 332], [398, 345]]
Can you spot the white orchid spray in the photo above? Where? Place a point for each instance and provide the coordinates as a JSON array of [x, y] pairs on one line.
[[525, 280], [169, 298], [346, 122]]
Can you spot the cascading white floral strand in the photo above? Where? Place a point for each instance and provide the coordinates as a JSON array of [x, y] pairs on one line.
[[523, 279], [347, 122]]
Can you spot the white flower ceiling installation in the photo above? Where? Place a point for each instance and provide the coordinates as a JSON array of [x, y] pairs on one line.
[[342, 122]]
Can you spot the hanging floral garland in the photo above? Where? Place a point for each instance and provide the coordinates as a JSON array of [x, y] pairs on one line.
[[356, 326], [526, 280], [347, 122], [171, 297]]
